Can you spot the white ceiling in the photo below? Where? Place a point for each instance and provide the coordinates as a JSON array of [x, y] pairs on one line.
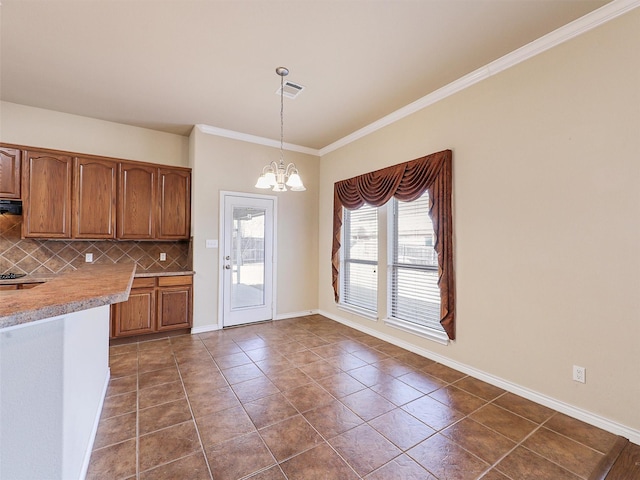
[[168, 65]]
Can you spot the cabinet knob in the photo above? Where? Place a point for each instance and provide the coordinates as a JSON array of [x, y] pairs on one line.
[[227, 267]]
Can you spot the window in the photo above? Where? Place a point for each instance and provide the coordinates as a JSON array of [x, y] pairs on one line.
[[414, 295], [408, 182], [360, 259]]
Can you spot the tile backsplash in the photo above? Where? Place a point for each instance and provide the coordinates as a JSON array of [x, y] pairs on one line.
[[33, 256]]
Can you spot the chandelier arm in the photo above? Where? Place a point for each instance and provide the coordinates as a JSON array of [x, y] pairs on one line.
[[268, 167], [291, 168]]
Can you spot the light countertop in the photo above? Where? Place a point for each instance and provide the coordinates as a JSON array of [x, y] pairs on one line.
[[45, 277], [88, 287], [163, 273]]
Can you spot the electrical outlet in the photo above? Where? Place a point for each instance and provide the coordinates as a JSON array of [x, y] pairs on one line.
[[88, 257], [579, 374], [163, 257]]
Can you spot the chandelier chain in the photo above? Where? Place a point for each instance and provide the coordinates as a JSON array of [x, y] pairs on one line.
[[282, 119]]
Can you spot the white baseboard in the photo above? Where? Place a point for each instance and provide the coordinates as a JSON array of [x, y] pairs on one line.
[[282, 316], [94, 430], [588, 417], [304, 313], [205, 329]]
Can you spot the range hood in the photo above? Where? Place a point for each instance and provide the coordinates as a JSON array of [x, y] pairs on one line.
[[12, 207]]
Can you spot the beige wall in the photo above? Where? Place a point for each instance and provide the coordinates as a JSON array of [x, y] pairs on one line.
[[547, 219], [223, 164], [37, 127]]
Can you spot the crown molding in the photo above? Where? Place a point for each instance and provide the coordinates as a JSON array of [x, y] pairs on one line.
[[571, 30], [245, 137], [579, 26]]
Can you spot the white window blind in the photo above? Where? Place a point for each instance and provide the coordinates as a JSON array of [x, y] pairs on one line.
[[413, 286], [360, 258]]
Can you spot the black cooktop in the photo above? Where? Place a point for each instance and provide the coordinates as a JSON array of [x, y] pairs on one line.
[[11, 276]]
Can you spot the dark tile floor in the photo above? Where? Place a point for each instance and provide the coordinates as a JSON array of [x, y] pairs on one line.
[[309, 398]]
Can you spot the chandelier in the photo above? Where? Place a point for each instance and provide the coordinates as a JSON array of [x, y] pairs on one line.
[[277, 176]]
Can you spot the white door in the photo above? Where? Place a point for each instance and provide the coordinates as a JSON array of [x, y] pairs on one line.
[[247, 258]]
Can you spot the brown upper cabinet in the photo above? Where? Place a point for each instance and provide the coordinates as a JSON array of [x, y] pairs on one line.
[[154, 203], [46, 199], [66, 195], [9, 173], [94, 199], [174, 197], [137, 202]]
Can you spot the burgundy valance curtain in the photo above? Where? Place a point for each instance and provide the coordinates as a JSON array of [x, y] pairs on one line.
[[406, 181]]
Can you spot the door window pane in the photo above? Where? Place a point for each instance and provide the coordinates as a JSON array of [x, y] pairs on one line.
[[247, 258]]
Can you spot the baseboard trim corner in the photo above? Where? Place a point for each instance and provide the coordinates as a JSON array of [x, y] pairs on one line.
[[205, 329], [94, 430], [304, 313]]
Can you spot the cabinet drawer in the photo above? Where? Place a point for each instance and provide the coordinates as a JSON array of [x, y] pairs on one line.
[[177, 280], [144, 282]]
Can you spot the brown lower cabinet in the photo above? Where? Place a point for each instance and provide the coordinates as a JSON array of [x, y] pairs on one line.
[[156, 304]]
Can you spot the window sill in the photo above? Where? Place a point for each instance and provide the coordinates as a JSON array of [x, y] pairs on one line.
[[421, 331], [359, 311]]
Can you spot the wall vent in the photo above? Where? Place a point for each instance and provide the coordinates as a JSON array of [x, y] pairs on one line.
[[290, 89]]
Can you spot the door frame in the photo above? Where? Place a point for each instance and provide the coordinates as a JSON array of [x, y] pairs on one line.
[[274, 270]]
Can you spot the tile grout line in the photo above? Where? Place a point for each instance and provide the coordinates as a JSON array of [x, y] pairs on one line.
[[367, 422], [518, 444], [137, 410], [315, 382], [229, 385], [437, 431], [257, 430], [546, 458], [193, 417], [312, 381], [530, 434]]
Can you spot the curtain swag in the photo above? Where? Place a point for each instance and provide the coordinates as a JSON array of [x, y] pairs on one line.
[[406, 182]]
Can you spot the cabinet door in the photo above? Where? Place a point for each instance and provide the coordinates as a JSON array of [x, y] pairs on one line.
[[47, 197], [174, 196], [174, 307], [136, 316], [136, 202], [94, 198], [9, 173]]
